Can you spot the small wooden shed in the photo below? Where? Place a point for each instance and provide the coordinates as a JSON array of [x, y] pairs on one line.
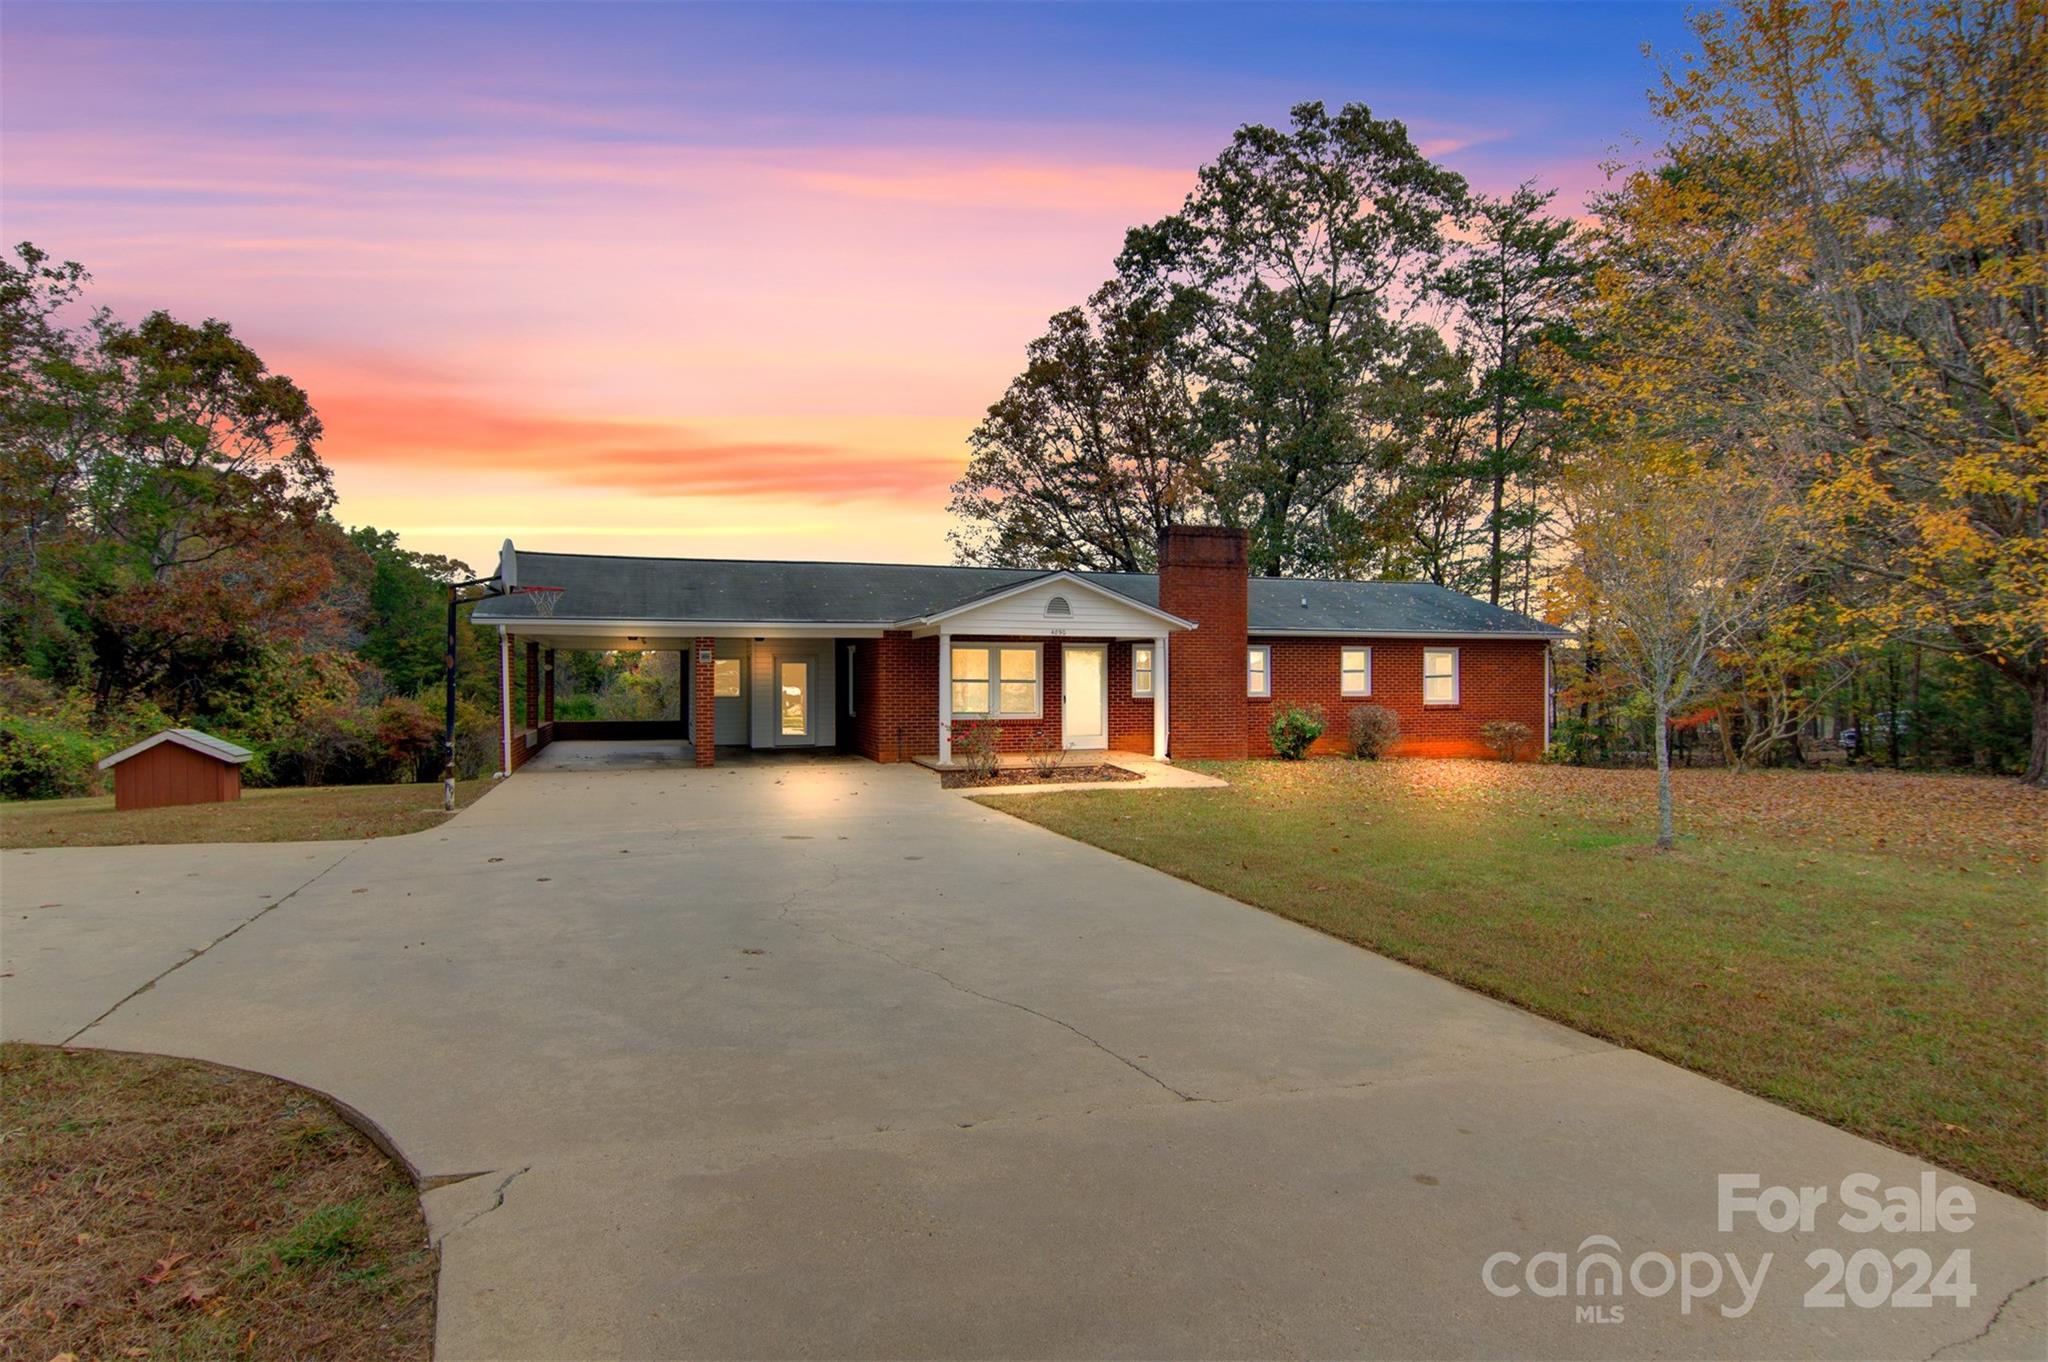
[[177, 766]]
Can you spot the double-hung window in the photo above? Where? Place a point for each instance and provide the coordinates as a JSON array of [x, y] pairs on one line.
[[1355, 668], [1259, 671], [1439, 676], [996, 681], [725, 676], [1141, 670]]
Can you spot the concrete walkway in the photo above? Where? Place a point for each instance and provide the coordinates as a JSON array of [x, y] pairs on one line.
[[811, 1059]]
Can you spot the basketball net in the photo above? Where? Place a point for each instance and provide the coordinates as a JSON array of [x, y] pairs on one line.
[[544, 598]]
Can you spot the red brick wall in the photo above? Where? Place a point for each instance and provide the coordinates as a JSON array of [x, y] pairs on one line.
[[703, 705], [1203, 576], [1497, 679], [1130, 716], [895, 697]]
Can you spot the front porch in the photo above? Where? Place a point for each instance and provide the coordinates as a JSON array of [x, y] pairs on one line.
[[1057, 661]]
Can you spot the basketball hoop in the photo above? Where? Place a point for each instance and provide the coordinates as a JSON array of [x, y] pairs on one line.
[[544, 598]]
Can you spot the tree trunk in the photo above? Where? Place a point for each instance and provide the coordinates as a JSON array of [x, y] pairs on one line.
[[1500, 479], [2037, 758], [1664, 833]]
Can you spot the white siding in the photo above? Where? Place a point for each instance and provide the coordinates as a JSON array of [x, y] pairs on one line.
[[819, 652], [1094, 615], [731, 712]]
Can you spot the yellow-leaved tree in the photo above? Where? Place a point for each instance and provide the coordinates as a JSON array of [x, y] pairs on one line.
[[1673, 562], [1837, 271]]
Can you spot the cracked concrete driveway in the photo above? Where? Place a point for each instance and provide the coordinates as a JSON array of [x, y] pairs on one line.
[[808, 1059]]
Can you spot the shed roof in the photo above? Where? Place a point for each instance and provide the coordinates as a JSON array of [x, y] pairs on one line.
[[680, 590], [220, 749]]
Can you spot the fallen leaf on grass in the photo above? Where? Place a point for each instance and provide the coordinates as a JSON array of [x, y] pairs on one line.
[[163, 1269]]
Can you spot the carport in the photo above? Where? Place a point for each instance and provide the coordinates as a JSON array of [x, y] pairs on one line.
[[528, 728]]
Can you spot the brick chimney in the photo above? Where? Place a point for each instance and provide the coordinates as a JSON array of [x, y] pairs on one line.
[[1204, 576]]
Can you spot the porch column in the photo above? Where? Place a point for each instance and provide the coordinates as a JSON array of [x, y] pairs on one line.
[[1160, 671], [547, 714], [532, 685], [504, 702], [946, 698], [704, 700]]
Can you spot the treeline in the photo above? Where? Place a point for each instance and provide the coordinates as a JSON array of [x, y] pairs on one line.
[[168, 555], [1764, 431]]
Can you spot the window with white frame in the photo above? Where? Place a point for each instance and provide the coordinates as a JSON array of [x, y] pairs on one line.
[[1355, 668], [1259, 671], [725, 676], [1141, 669], [1005, 676], [1439, 676]]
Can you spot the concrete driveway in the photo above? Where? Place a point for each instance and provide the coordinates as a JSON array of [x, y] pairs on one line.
[[808, 1059]]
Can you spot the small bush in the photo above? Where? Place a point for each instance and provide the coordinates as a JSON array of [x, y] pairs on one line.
[[410, 738], [1295, 729], [974, 747], [1045, 751], [51, 741], [1573, 742], [1374, 731], [575, 707], [43, 759], [1505, 736]]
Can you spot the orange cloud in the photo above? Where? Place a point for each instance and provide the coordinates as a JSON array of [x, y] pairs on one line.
[[451, 431]]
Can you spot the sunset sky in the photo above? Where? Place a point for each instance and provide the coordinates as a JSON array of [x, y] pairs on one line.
[[705, 279]]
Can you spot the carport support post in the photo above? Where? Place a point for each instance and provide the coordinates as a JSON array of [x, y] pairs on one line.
[[946, 698], [1159, 697], [703, 700], [547, 714], [532, 685], [504, 702]]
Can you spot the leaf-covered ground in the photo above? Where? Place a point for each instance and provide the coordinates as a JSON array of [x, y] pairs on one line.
[[325, 813], [1868, 948], [159, 1208]]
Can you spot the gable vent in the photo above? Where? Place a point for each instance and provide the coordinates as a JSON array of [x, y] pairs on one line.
[[1058, 606]]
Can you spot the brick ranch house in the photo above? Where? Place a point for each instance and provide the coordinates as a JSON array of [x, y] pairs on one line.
[[882, 659]]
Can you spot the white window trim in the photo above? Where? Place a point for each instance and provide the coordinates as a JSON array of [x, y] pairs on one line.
[[1151, 672], [1343, 684], [995, 680], [1265, 672], [1457, 679]]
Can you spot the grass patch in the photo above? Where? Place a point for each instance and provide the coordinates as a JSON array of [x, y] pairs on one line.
[[326, 813], [169, 1209], [1867, 948]]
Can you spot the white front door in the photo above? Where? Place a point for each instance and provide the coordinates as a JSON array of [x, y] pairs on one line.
[[1084, 695]]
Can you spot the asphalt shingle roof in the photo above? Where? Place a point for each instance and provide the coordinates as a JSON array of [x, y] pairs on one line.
[[878, 594]]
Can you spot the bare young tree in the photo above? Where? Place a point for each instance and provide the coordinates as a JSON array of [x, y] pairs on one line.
[[1673, 563]]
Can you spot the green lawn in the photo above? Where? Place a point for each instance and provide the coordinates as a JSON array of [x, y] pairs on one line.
[[1867, 948], [325, 813]]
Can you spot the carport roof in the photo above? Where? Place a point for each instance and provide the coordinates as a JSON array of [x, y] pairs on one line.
[[870, 595]]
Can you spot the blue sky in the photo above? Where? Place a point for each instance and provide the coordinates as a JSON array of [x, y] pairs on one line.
[[707, 278]]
